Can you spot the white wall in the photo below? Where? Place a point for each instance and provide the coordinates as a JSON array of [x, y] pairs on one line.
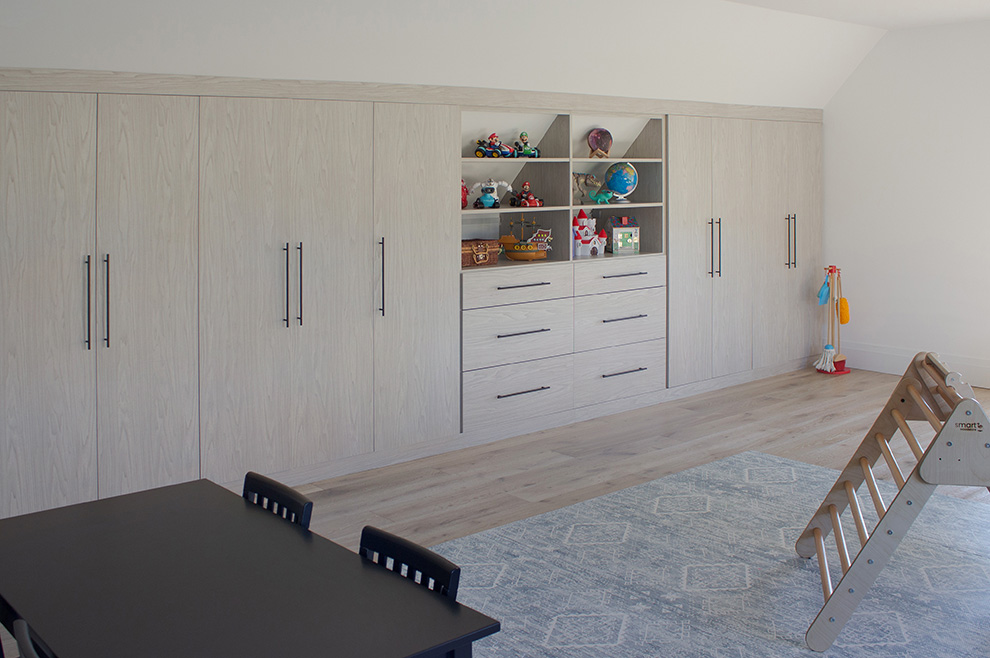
[[705, 50], [907, 175]]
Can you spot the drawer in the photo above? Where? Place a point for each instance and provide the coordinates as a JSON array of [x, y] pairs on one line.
[[521, 332], [595, 276], [619, 317], [513, 285], [619, 372], [500, 395]]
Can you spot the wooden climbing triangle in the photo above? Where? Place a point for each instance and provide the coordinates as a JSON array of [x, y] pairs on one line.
[[958, 454]]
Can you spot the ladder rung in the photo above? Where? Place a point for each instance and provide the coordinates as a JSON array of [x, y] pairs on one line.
[[895, 470], [948, 394], [857, 513], [901, 421], [871, 482], [932, 417], [822, 564], [840, 538]]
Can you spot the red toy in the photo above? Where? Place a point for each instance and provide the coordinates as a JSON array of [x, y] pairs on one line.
[[525, 199], [464, 195]]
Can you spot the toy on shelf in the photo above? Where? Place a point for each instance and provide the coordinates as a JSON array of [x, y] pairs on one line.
[[525, 199], [489, 193], [524, 149], [493, 148], [464, 195], [586, 241], [832, 361], [582, 186], [600, 141], [533, 248], [622, 235], [621, 179], [602, 196]]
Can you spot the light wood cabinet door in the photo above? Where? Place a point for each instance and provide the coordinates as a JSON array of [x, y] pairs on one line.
[[47, 233], [417, 355], [732, 284], [285, 333], [146, 296], [808, 273], [691, 256]]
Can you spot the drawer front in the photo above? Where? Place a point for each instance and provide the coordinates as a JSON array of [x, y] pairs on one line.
[[522, 332], [513, 285], [595, 276], [620, 317], [499, 395], [619, 372]]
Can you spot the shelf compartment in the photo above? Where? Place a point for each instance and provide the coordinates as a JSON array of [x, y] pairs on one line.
[[548, 131]]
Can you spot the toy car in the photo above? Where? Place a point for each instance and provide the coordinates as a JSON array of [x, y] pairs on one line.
[[526, 200], [524, 149], [493, 148]]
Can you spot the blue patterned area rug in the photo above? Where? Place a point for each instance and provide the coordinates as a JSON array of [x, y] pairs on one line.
[[702, 563]]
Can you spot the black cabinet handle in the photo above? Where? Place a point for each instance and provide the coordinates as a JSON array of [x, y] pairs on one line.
[[788, 263], [524, 285], [719, 248], [89, 302], [631, 317], [619, 276], [286, 318], [522, 333], [382, 308], [624, 372], [532, 390], [300, 284], [106, 338], [711, 259], [794, 219]]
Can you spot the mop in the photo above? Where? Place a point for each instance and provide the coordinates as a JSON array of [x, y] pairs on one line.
[[826, 296]]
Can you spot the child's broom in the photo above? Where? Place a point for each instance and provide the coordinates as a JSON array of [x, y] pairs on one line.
[[825, 363]]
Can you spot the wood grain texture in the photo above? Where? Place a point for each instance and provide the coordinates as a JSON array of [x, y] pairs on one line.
[[47, 230], [690, 250], [518, 391], [616, 318], [598, 275], [516, 284], [417, 356], [617, 372], [25, 79], [521, 332], [148, 223]]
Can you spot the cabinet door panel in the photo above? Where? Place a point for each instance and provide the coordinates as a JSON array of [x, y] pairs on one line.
[[808, 275], [47, 375], [689, 339], [417, 369], [244, 347], [147, 223]]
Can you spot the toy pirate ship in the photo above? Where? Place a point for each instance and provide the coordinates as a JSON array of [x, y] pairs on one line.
[[535, 247]]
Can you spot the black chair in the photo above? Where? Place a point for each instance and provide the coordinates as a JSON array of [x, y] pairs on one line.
[[26, 645], [277, 498], [410, 560]]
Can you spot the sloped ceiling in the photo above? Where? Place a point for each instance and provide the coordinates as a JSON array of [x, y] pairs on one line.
[[886, 14], [706, 50]]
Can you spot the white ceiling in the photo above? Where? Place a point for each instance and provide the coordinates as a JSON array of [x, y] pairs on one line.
[[886, 14]]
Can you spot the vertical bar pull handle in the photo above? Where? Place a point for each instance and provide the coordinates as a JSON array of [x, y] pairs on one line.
[[720, 247], [89, 302], [286, 318], [794, 233], [382, 308], [106, 338], [711, 259], [300, 317], [788, 263]]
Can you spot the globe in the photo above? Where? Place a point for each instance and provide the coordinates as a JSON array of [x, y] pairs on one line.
[[621, 178]]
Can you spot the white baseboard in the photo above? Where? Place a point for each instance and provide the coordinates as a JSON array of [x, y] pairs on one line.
[[893, 360]]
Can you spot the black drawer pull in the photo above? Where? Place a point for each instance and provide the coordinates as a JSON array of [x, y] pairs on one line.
[[524, 285], [624, 372], [631, 317], [522, 333], [619, 276], [532, 390]]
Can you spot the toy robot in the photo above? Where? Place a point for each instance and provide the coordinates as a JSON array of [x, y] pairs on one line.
[[489, 193]]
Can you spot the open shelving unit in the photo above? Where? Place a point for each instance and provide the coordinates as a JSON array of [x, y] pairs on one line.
[[562, 141]]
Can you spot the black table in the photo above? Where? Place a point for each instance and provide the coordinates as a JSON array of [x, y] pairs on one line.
[[195, 570]]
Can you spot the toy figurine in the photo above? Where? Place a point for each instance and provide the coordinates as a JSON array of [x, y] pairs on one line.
[[581, 186], [464, 195], [489, 193], [493, 148], [525, 199], [602, 196], [524, 149]]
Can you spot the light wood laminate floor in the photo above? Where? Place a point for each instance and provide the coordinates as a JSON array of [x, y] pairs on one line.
[[804, 415]]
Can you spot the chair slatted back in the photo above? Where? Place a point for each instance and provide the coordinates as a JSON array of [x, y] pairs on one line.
[[410, 560], [279, 499]]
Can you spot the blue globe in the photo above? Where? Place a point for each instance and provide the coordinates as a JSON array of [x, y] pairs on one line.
[[621, 178]]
